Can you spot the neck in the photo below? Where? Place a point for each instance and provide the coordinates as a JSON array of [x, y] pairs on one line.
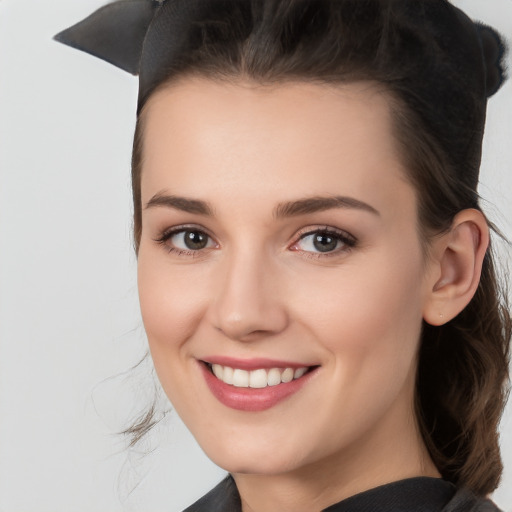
[[385, 454]]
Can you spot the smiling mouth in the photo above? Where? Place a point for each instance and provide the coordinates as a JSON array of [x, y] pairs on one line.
[[259, 378], [257, 386]]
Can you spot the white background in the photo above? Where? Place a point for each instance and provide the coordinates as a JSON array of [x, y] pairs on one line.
[[69, 320]]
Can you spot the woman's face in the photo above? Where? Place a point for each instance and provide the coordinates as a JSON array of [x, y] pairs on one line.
[[280, 237]]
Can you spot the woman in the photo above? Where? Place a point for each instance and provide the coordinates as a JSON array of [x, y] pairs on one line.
[[314, 268]]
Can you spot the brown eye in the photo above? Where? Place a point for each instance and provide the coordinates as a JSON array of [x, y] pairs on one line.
[[190, 240], [195, 240], [324, 242]]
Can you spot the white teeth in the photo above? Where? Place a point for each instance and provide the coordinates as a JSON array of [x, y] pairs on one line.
[[240, 378], [287, 375], [274, 377], [257, 379], [218, 371], [299, 372], [228, 375]]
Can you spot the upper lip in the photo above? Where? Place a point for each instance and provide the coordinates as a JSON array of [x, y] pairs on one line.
[[254, 363]]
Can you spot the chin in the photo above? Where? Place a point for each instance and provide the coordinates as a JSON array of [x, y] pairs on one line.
[[244, 465], [251, 459]]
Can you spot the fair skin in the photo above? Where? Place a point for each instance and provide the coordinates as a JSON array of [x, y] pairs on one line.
[[258, 287]]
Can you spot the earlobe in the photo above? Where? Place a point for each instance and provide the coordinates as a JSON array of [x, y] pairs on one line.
[[457, 258]]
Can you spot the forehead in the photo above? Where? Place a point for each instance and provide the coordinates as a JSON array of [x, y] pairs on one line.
[[203, 136]]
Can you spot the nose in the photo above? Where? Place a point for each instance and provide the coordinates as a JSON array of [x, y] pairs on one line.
[[249, 304]]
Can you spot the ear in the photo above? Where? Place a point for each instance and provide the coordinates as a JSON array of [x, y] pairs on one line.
[[456, 265]]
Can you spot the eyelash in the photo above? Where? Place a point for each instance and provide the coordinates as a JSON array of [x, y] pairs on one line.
[[348, 241], [169, 233]]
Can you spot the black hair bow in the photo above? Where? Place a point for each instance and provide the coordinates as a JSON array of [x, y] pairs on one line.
[[114, 33]]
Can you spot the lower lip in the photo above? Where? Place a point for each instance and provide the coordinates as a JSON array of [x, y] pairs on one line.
[[252, 399]]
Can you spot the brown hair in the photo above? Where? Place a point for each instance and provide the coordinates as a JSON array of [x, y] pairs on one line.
[[463, 365]]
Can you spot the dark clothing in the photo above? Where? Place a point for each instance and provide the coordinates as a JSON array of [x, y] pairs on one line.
[[411, 495]]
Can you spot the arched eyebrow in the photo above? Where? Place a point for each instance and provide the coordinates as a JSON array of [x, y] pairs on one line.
[[282, 210], [183, 204], [319, 204]]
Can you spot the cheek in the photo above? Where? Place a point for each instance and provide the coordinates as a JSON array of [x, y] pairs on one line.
[[369, 321], [368, 316], [172, 300], [172, 303]]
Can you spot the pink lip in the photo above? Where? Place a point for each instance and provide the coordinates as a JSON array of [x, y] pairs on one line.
[[254, 363], [250, 399]]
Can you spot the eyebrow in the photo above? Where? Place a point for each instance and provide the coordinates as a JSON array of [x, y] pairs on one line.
[[282, 210], [319, 204], [184, 204]]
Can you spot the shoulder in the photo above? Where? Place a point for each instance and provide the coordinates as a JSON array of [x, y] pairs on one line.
[[465, 501], [222, 498], [225, 498]]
